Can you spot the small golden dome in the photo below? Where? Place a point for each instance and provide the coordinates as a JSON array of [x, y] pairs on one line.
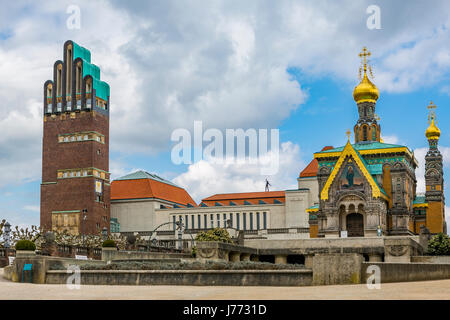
[[433, 131], [365, 91]]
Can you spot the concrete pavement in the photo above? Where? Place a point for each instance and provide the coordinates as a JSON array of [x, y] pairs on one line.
[[439, 289]]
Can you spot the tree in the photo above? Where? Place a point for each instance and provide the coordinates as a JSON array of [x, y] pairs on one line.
[[439, 245]]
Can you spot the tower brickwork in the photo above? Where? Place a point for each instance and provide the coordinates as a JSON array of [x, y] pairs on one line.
[[75, 189], [434, 178]]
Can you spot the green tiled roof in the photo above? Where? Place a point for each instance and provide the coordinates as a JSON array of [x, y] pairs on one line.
[[375, 168], [145, 175], [365, 146], [101, 87], [316, 206], [419, 199]]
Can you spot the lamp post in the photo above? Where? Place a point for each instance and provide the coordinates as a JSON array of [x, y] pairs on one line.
[[7, 235], [83, 222]]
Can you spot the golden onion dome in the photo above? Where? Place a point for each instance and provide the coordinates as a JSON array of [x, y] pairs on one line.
[[365, 91], [433, 131]]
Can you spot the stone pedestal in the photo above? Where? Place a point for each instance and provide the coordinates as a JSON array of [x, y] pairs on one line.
[[280, 259], [400, 249], [245, 257], [108, 254], [309, 261], [373, 257], [25, 253], [235, 256]]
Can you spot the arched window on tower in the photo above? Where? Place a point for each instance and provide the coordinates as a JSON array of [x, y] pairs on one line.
[[365, 133], [49, 96], [89, 92], [69, 58], [58, 87], [374, 133], [78, 77], [357, 134]]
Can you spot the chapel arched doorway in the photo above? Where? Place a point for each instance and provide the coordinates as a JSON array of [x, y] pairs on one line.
[[355, 225]]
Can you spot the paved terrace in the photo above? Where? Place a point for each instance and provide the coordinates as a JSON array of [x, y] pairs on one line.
[[439, 289]]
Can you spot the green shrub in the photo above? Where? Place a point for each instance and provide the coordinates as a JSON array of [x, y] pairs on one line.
[[194, 252], [186, 265], [216, 234], [25, 245], [109, 244], [439, 245]]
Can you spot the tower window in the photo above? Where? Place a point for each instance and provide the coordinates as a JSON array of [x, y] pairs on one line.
[[365, 133]]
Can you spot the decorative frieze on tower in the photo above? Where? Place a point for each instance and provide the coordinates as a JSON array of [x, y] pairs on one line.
[[366, 95], [434, 177], [75, 189]]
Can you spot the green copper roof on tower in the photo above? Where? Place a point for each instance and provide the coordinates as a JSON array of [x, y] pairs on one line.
[[101, 87]]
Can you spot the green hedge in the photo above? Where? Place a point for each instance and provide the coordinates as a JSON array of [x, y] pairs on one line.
[[439, 245], [195, 265], [216, 234], [25, 245], [109, 244]]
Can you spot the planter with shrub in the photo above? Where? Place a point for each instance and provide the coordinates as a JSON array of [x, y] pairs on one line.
[[25, 248], [109, 245]]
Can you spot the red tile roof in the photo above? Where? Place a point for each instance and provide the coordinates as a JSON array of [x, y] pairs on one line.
[[251, 197], [313, 167], [149, 188]]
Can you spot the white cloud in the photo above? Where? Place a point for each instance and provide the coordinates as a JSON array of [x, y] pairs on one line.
[[222, 62], [393, 139], [205, 178], [32, 208]]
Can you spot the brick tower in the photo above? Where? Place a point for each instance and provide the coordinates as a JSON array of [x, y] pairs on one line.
[[75, 189], [434, 178]]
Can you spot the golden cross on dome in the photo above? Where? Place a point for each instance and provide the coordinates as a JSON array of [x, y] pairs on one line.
[[377, 117], [348, 132], [431, 107], [364, 55]]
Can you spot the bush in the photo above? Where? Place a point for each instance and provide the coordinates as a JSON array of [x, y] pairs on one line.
[[216, 234], [439, 245], [25, 245], [186, 265], [109, 244]]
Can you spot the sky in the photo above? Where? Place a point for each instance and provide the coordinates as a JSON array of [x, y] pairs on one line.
[[286, 65]]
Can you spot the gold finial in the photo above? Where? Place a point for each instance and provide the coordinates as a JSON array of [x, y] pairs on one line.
[[364, 55], [432, 113], [433, 131], [365, 91], [348, 132], [377, 117]]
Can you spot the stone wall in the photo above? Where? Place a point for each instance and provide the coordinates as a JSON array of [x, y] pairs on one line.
[[113, 254], [41, 264], [431, 259], [188, 277], [401, 272], [329, 269]]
